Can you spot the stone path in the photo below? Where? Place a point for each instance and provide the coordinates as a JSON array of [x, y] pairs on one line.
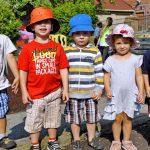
[[140, 135]]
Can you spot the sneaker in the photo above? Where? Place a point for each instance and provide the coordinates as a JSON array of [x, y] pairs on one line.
[[76, 145], [35, 147], [53, 146], [96, 144], [7, 143]]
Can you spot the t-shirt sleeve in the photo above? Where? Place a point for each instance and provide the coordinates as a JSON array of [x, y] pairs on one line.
[[9, 46], [107, 65], [139, 61], [23, 60], [63, 58]]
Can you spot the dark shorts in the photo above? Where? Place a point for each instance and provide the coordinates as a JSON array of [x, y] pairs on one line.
[[4, 99], [79, 110]]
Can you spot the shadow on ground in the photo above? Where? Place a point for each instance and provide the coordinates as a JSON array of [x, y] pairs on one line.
[[140, 134]]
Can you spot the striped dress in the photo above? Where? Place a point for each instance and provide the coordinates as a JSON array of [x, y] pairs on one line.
[[85, 71]]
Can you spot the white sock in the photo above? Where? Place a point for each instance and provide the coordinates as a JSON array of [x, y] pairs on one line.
[[36, 145], [2, 135]]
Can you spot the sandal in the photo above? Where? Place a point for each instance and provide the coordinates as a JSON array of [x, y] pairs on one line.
[[128, 145], [115, 145]]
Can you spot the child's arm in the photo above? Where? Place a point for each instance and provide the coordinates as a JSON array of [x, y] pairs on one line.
[[23, 81], [147, 86], [107, 84], [64, 77], [13, 66], [99, 77], [140, 84]]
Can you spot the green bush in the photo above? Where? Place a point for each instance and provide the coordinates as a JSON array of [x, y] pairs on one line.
[[12, 12], [65, 11], [8, 21]]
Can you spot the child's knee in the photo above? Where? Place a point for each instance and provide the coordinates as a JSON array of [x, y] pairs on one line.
[[126, 118], [119, 118]]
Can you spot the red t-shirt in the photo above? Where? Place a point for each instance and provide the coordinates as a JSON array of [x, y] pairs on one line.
[[43, 63]]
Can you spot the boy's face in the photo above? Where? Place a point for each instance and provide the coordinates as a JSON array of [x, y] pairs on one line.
[[81, 39], [42, 28]]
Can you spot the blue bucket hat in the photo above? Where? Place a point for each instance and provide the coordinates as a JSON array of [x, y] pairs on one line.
[[80, 22]]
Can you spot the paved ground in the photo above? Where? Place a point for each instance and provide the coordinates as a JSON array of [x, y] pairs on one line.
[[140, 135]]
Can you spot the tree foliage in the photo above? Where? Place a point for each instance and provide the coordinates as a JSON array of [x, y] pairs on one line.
[[13, 12], [8, 20], [65, 11]]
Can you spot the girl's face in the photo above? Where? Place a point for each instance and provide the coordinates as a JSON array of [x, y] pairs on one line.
[[122, 45], [42, 28], [81, 39]]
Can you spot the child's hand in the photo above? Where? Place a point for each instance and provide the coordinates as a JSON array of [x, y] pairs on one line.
[[109, 95], [65, 96], [15, 85], [140, 98], [26, 98], [97, 95]]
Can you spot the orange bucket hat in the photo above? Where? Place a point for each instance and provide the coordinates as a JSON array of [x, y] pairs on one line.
[[42, 13]]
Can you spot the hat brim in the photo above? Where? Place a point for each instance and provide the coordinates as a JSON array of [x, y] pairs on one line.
[[135, 45], [79, 28], [54, 22]]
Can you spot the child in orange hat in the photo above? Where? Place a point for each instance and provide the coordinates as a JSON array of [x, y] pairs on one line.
[[43, 73]]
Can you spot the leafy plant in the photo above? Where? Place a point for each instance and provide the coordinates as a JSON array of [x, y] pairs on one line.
[[8, 21], [65, 11], [14, 12]]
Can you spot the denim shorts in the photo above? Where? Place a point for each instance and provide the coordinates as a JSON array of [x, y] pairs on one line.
[[4, 99]]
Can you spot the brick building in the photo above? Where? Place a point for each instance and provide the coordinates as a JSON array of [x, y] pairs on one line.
[[134, 12]]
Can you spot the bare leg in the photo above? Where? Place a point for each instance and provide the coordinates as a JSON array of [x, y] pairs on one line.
[[34, 138], [116, 127], [75, 131], [3, 123], [52, 133], [91, 131], [127, 127]]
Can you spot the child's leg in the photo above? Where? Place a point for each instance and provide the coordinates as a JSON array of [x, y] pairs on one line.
[[116, 127], [52, 133], [5, 142], [92, 116], [75, 116], [91, 128], [127, 127], [4, 99], [75, 132], [34, 137], [3, 124], [34, 121], [52, 118]]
